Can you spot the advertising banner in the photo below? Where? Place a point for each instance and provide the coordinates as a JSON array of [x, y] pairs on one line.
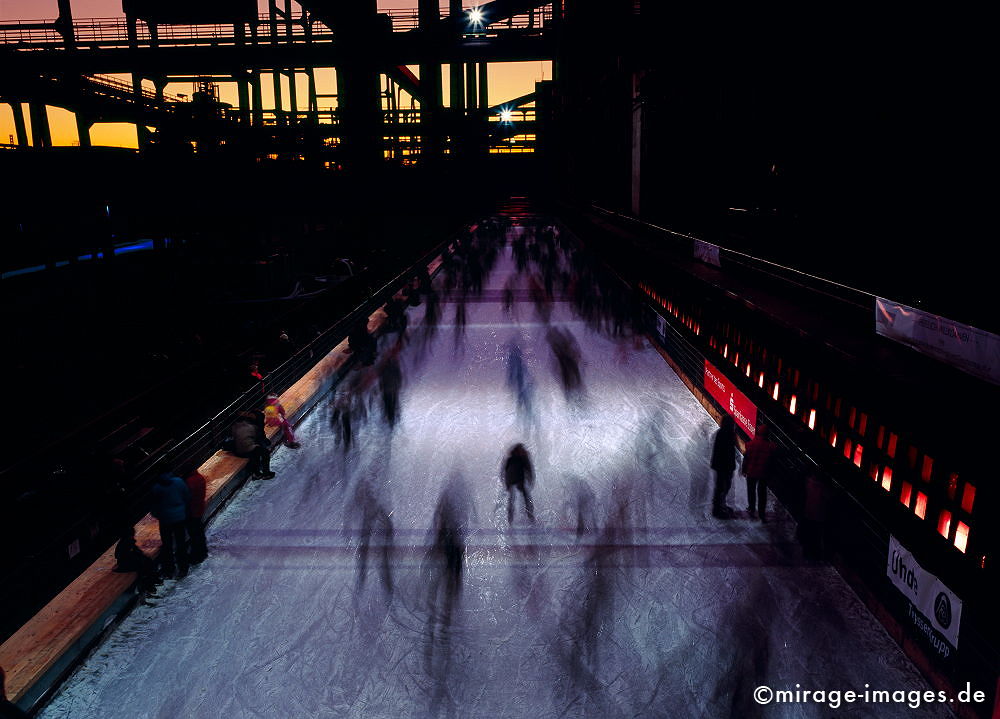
[[707, 252], [969, 349], [732, 400], [941, 608]]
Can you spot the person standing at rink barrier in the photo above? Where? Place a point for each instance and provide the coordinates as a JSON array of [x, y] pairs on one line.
[[274, 416], [757, 467], [8, 709], [724, 464], [518, 474], [195, 517], [169, 500]]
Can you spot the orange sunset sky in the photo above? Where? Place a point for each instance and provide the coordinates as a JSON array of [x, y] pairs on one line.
[[506, 80]]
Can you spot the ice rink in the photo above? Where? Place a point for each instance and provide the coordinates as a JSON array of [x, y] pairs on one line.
[[624, 598]]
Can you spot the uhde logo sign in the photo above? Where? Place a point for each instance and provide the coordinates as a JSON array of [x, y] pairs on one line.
[[940, 608], [904, 573]]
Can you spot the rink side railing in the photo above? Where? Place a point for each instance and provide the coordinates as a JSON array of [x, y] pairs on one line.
[[860, 538], [42, 653]]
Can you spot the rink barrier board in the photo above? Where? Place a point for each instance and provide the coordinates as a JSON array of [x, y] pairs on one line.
[[861, 587], [40, 655], [893, 627]]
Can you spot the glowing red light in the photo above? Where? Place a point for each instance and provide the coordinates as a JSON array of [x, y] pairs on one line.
[[962, 536]]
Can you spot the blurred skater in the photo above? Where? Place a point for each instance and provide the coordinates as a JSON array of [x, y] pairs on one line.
[[583, 507], [349, 405], [567, 354], [195, 521], [376, 527], [518, 380], [444, 566], [724, 464], [518, 474], [391, 382]]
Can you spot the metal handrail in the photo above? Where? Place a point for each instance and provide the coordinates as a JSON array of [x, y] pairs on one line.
[[280, 378], [831, 288], [114, 30]]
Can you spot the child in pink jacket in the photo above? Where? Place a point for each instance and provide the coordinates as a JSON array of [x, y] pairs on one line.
[[274, 416]]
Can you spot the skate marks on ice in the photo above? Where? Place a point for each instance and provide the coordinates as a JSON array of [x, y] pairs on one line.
[[380, 578]]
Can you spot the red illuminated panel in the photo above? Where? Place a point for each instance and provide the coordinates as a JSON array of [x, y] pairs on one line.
[[850, 418], [760, 381], [858, 450], [833, 438], [962, 536], [732, 400], [926, 468], [774, 395], [812, 419], [944, 523], [881, 437], [725, 351], [791, 404], [891, 451], [968, 497], [887, 480], [906, 493], [847, 447], [748, 369], [920, 508], [873, 472]]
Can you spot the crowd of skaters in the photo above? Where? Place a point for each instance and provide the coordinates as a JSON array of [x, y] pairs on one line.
[[547, 269]]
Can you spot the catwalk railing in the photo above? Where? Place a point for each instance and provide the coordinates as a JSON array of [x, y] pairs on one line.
[[861, 514], [185, 455], [858, 299], [114, 32]]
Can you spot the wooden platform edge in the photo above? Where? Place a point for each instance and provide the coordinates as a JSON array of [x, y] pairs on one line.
[[40, 655]]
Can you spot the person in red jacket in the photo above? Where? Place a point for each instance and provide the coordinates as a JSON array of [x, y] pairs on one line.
[[195, 517], [757, 467]]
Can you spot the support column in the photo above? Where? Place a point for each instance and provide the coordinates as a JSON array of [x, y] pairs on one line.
[[429, 14], [243, 91], [470, 86], [359, 99], [484, 97], [40, 134], [636, 149], [242, 77], [456, 71], [293, 95], [20, 129], [83, 124]]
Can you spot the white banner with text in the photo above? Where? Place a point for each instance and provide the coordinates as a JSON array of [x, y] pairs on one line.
[[940, 605], [969, 349]]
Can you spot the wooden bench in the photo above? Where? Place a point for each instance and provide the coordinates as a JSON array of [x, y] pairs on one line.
[[41, 653]]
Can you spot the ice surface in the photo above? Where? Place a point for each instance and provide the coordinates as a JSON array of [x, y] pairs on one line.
[[654, 609]]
